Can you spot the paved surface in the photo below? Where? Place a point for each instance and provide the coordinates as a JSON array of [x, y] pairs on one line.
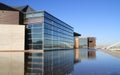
[[113, 53]]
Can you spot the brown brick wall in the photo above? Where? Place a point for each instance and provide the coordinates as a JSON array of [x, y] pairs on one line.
[[9, 17], [91, 42]]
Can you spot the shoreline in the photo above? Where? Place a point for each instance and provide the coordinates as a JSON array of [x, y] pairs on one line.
[[113, 53]]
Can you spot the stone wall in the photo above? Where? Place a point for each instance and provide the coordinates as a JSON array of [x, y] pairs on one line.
[[12, 37], [12, 49]]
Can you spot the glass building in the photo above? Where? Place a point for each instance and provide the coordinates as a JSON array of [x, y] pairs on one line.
[[53, 42], [46, 32], [45, 43], [83, 43]]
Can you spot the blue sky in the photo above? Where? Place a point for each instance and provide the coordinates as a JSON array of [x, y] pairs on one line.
[[98, 18]]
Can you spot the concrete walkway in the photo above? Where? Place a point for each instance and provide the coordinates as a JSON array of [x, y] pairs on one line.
[[113, 53]]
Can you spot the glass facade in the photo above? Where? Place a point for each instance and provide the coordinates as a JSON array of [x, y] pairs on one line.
[[34, 31], [57, 34], [83, 43], [45, 32]]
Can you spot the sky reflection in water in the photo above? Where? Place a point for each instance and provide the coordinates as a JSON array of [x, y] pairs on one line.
[[95, 62]]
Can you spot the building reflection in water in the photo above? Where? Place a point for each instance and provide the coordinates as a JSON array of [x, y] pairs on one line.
[[57, 62], [92, 54], [76, 56], [84, 54]]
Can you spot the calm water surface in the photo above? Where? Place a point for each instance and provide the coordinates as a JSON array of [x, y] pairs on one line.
[[63, 62], [95, 62]]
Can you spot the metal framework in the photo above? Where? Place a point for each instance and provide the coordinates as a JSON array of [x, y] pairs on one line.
[[113, 45]]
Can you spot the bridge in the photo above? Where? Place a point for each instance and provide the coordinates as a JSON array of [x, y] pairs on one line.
[[115, 46]]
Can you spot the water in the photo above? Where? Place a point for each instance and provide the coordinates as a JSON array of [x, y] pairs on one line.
[[68, 62], [52, 62], [95, 62]]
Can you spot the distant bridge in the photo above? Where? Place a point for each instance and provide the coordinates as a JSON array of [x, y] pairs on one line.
[[111, 47]]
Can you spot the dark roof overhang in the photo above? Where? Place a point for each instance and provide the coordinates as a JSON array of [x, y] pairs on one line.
[[6, 7], [77, 34], [25, 9]]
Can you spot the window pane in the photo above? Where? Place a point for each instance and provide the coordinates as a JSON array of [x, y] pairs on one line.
[[47, 36], [29, 26], [36, 54], [47, 31], [36, 65], [37, 25], [47, 42], [37, 46], [28, 15], [36, 35], [48, 26], [48, 20], [48, 46], [36, 60], [37, 30], [37, 14], [37, 41]]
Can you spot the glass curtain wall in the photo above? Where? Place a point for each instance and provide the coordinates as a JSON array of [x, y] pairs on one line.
[[44, 31], [83, 42], [57, 34], [34, 41], [34, 30]]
